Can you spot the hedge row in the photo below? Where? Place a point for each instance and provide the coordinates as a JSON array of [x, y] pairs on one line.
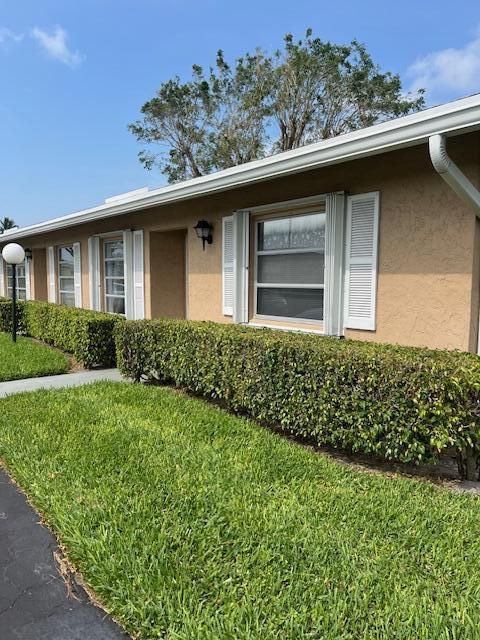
[[404, 404], [88, 335], [6, 315]]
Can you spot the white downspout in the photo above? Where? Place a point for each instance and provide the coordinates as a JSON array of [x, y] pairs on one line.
[[452, 175], [457, 180]]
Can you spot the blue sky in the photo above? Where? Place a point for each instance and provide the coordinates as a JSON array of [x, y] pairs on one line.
[[74, 74]]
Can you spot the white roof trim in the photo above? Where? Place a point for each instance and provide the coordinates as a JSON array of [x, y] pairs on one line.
[[452, 118]]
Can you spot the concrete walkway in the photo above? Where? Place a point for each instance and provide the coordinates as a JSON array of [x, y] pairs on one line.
[[37, 600], [58, 382]]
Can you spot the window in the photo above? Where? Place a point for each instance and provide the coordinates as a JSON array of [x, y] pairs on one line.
[[66, 278], [114, 276], [21, 281], [290, 267]]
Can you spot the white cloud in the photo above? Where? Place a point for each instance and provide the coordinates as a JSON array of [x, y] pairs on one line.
[[448, 73], [8, 37], [55, 45]]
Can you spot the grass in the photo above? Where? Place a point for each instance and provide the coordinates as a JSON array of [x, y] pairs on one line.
[[28, 359], [192, 524]]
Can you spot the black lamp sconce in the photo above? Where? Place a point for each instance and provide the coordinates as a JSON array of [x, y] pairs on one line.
[[28, 254], [204, 229]]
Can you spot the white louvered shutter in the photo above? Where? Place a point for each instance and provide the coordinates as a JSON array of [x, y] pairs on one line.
[[52, 288], [361, 261], [227, 253], [28, 286], [77, 273], [94, 272], [138, 275], [128, 271], [2, 278]]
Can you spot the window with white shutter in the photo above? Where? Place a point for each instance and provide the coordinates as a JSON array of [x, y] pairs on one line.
[[227, 252], [361, 261], [116, 275], [66, 275], [21, 279], [290, 267]]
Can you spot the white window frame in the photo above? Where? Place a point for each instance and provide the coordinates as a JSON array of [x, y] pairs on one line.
[[60, 277], [260, 285], [105, 277], [8, 288]]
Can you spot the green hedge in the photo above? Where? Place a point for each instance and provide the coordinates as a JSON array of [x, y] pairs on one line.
[[6, 315], [400, 403], [88, 335]]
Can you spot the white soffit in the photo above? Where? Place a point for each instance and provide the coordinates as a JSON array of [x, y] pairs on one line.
[[452, 118]]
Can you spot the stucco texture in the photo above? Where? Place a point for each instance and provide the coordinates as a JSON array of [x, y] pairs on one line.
[[167, 274]]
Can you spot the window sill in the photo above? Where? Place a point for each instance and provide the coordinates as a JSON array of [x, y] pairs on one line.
[[264, 324]]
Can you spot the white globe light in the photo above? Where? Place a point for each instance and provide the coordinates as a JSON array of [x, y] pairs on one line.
[[13, 253]]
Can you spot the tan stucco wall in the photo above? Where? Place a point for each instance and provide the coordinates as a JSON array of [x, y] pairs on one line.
[[429, 241], [167, 274], [427, 266], [84, 266], [38, 274], [204, 276]]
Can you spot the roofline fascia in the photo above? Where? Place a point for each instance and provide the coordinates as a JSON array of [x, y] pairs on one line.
[[454, 118]]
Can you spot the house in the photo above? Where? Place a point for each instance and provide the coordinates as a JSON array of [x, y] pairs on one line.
[[371, 235]]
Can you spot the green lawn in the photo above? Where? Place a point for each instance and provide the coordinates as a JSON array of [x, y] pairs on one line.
[[193, 524], [28, 359]]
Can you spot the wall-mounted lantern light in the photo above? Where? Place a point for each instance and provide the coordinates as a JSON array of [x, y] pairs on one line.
[[28, 254], [13, 254], [204, 229]]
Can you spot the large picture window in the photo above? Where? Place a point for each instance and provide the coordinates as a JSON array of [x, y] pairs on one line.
[[290, 267], [66, 281], [114, 276], [21, 281]]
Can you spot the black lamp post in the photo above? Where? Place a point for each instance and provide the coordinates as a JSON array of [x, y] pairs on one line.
[[13, 254], [204, 229]]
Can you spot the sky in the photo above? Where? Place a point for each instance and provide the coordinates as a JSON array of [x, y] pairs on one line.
[[74, 74]]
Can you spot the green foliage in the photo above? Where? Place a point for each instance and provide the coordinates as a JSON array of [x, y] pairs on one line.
[[190, 523], [212, 122], [88, 335], [308, 91], [178, 114], [28, 359], [401, 403], [6, 223], [319, 90], [6, 315]]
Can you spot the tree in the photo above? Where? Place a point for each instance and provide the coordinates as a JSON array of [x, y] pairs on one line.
[[177, 119], [308, 91], [6, 223], [320, 90], [212, 122], [237, 125]]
